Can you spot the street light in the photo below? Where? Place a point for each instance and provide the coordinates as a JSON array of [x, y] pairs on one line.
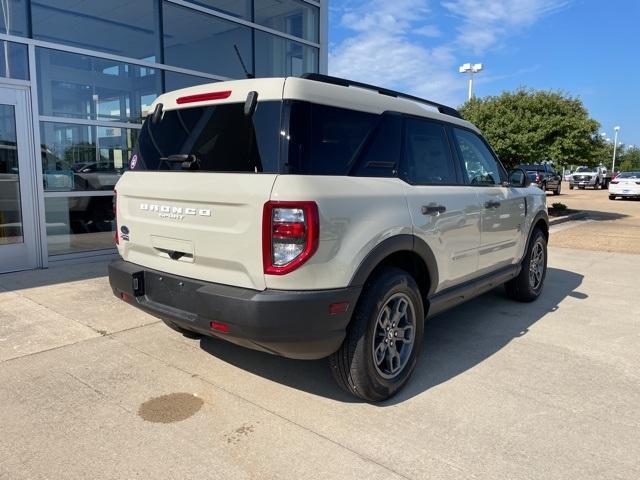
[[615, 147], [471, 69]]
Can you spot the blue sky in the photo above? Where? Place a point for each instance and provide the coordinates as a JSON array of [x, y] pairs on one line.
[[587, 48]]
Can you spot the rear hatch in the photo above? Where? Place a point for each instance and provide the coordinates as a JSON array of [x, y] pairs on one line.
[[191, 203]]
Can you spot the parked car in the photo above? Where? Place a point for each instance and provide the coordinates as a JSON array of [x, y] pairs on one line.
[[313, 217], [625, 185], [594, 177], [544, 176]]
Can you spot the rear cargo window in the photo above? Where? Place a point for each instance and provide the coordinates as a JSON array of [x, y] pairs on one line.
[[326, 140], [219, 138]]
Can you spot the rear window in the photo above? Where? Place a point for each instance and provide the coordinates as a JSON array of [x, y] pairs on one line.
[[219, 137], [327, 140]]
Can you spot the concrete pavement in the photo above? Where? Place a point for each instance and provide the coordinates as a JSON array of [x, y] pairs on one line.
[[92, 388]]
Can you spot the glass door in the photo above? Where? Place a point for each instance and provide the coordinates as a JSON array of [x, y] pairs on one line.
[[17, 198]]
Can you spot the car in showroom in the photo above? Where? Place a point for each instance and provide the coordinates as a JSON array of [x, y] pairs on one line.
[[625, 185]]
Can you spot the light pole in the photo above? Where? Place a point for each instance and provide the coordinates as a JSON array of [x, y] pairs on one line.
[[615, 147], [471, 69]]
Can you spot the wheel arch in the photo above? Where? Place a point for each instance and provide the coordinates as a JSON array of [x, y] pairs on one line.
[[407, 252]]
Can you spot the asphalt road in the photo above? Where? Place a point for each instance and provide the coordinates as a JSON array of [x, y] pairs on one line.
[[93, 389]]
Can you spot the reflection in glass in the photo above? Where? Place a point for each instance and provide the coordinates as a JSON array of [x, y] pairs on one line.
[[203, 42], [237, 8], [83, 157], [121, 27], [14, 60], [79, 86], [10, 208], [78, 224], [289, 16], [175, 81], [13, 17], [277, 57]]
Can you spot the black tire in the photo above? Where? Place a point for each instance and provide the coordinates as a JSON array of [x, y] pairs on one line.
[[544, 186], [353, 365], [570, 186], [612, 197], [558, 188], [596, 186], [183, 331], [523, 288]]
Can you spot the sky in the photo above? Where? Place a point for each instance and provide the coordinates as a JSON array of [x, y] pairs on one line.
[[585, 48]]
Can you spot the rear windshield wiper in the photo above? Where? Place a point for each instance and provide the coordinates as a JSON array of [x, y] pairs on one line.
[[186, 161]]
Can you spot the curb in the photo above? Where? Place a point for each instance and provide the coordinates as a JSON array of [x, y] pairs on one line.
[[567, 218]]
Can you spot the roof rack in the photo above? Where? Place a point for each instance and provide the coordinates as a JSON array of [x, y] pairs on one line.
[[318, 77]]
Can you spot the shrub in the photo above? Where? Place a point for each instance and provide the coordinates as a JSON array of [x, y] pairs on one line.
[[559, 206]]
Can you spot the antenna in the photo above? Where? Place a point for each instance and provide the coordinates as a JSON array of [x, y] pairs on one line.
[[244, 67]]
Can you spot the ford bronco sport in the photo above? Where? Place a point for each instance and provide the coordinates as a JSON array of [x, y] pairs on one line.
[[316, 217]]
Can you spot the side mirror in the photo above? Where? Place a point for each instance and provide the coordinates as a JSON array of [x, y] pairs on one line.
[[518, 178]]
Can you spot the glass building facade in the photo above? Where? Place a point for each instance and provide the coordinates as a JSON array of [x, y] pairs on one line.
[[87, 70]]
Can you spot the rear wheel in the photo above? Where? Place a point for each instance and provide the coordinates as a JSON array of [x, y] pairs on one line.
[[527, 286], [383, 339], [570, 186], [558, 188]]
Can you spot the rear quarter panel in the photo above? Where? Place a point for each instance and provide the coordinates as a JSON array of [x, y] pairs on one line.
[[356, 214]]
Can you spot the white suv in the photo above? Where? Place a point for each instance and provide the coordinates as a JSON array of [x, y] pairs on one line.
[[313, 217]]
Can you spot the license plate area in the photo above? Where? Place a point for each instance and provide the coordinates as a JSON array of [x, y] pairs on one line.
[[173, 292]]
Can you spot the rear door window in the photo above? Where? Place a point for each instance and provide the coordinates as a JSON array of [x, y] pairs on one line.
[[220, 137], [427, 154]]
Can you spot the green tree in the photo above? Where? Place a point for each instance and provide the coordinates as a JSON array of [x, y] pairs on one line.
[[629, 159], [529, 126]]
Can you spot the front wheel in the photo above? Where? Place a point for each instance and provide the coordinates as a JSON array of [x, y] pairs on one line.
[[383, 339], [527, 286], [612, 197]]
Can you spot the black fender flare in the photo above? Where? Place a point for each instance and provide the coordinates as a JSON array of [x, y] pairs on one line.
[[541, 215], [389, 246]]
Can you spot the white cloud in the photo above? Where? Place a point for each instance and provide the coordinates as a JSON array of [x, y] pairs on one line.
[[397, 44], [430, 31], [382, 52], [486, 22]]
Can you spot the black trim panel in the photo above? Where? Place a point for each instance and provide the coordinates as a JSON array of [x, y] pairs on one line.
[[295, 324], [458, 294], [392, 245]]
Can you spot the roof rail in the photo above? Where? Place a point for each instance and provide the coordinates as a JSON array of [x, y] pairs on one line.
[[318, 77]]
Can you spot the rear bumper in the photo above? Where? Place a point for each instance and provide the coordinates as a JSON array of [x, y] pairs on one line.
[[294, 324]]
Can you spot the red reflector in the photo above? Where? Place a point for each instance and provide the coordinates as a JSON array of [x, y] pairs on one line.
[[203, 97], [336, 308], [220, 327], [125, 297], [288, 230]]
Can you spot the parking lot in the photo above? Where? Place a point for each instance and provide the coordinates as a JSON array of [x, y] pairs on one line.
[[91, 388]]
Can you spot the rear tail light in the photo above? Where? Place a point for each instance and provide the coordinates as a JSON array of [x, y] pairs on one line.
[[290, 235], [116, 237], [537, 178]]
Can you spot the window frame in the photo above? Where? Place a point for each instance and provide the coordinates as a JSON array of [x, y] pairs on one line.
[[459, 173], [465, 176]]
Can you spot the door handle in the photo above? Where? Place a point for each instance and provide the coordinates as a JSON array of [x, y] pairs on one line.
[[491, 204], [433, 209]]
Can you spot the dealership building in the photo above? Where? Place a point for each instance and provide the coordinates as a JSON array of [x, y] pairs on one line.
[[76, 79]]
